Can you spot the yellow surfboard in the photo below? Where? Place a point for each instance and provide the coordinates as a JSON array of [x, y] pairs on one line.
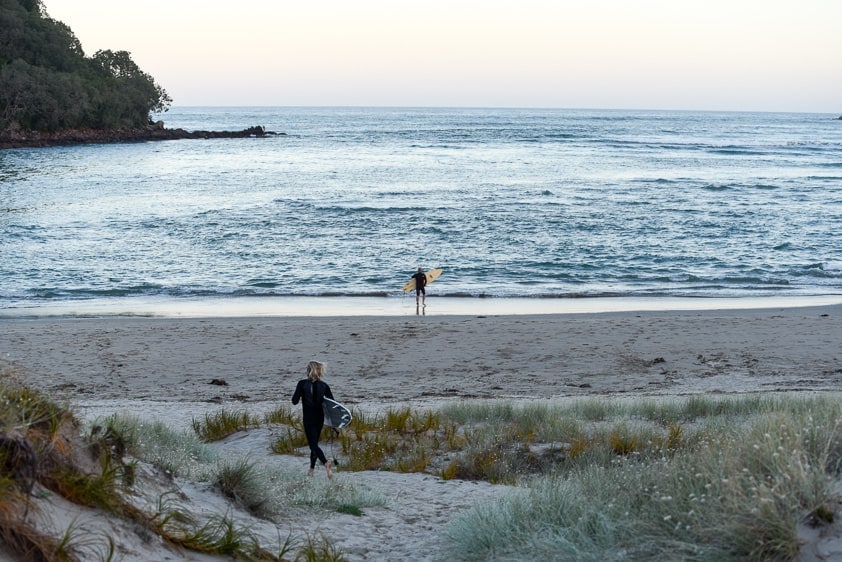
[[432, 275]]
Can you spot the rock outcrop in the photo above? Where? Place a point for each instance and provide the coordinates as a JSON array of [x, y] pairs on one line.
[[152, 132]]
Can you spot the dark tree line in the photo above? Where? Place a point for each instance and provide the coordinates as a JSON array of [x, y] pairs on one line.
[[48, 84]]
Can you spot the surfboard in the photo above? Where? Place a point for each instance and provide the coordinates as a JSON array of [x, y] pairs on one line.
[[336, 415], [432, 275]]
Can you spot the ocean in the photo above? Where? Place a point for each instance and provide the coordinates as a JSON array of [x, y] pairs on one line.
[[535, 208]]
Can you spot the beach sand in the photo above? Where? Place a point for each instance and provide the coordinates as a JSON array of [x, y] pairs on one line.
[[163, 368], [376, 361]]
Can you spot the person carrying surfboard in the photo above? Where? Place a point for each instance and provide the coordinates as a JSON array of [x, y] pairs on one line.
[[311, 393], [420, 286]]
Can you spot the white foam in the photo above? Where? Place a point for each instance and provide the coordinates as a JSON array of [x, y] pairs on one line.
[[385, 306]]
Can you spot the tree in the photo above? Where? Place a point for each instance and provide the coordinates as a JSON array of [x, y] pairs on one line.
[[48, 84], [120, 66]]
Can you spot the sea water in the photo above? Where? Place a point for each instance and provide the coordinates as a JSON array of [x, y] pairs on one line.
[[527, 206]]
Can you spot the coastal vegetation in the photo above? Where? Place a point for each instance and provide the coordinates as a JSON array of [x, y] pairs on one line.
[[47, 83], [48, 456], [704, 478], [698, 478]]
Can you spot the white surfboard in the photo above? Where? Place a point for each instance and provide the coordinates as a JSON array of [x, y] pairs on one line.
[[432, 275], [337, 416]]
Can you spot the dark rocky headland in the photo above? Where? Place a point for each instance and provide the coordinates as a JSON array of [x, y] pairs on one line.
[[152, 132]]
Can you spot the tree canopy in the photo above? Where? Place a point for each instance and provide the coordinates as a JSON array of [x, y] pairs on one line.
[[48, 84]]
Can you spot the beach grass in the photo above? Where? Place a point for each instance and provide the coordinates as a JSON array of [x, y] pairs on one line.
[[319, 549], [222, 423], [40, 448], [43, 447], [263, 489], [696, 478], [177, 453], [399, 439], [705, 478], [78, 542], [240, 479], [291, 441]]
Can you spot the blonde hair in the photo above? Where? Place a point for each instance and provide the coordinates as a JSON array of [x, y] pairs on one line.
[[315, 370]]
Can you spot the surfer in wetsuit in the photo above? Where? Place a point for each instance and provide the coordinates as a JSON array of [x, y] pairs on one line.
[[420, 286], [311, 392]]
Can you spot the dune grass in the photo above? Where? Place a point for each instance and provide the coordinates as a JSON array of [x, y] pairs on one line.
[[400, 439], [222, 423], [34, 451], [42, 447], [697, 479], [218, 425], [261, 488], [178, 453]]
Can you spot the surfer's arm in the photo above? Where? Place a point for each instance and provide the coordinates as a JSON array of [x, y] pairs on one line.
[[297, 394], [328, 393]]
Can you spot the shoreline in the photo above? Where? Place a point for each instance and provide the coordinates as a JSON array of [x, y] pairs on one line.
[[341, 306]]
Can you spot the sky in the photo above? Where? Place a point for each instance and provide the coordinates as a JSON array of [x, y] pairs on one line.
[[740, 55]]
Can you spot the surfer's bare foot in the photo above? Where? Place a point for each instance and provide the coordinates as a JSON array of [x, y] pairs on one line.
[[310, 472], [329, 470]]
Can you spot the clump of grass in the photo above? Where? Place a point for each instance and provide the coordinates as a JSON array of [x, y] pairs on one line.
[[282, 415], [495, 456], [216, 535], [220, 535], [401, 439], [91, 490], [319, 550], [350, 509], [79, 543], [38, 446], [25, 409], [290, 441], [178, 453], [324, 494], [222, 423], [242, 481]]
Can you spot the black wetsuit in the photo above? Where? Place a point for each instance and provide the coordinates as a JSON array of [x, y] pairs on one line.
[[311, 395], [420, 282]]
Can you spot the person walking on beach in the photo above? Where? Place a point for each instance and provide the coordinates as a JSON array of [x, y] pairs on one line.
[[420, 286], [311, 392]]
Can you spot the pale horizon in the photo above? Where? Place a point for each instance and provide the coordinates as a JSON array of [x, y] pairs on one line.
[[654, 55]]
